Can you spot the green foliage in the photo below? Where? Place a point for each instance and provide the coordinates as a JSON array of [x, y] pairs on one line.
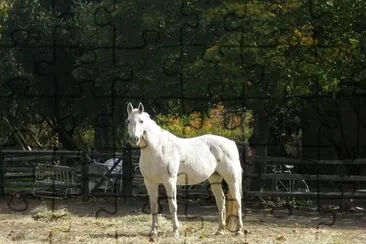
[[279, 50], [219, 121], [5, 5]]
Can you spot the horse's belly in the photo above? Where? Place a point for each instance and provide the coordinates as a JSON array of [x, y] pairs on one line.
[[196, 167], [192, 170], [182, 180], [192, 176]]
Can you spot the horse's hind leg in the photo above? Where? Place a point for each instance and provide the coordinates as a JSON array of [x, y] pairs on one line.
[[234, 202], [171, 192], [152, 190], [216, 186]]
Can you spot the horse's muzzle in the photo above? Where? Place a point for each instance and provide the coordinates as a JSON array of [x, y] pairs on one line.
[[134, 140]]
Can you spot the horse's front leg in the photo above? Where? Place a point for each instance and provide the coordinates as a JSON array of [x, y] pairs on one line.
[[152, 190], [171, 192]]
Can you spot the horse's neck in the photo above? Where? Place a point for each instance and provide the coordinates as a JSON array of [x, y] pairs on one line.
[[158, 136]]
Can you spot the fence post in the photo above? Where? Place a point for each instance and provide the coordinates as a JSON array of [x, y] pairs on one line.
[[127, 172], [85, 177], [247, 166], [2, 175]]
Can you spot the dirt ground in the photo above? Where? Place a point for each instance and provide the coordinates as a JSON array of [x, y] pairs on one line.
[[74, 221]]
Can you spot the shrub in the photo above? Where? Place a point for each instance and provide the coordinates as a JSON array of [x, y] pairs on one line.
[[218, 120]]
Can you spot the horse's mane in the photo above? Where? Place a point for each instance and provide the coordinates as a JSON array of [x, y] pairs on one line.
[[153, 122]]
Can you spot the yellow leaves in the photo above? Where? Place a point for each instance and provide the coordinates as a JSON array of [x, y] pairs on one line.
[[196, 120], [5, 5], [303, 37], [287, 6], [218, 121], [211, 52]]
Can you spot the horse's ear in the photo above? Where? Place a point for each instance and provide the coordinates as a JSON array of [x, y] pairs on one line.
[[129, 108], [141, 108]]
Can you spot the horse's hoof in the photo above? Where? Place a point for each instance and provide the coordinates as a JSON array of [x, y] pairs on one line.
[[176, 234], [239, 233], [220, 232], [153, 233]]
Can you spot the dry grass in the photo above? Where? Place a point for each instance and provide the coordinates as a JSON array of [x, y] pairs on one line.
[[68, 224]]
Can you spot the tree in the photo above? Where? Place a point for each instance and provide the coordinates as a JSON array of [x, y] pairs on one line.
[[179, 58]]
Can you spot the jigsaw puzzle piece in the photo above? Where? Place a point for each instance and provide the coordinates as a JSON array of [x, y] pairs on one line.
[[6, 89], [151, 69], [18, 202], [20, 37], [16, 86]]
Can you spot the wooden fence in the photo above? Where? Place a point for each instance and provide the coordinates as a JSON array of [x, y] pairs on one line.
[[17, 171], [17, 168], [322, 184]]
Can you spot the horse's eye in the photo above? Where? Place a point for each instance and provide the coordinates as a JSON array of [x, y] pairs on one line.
[[141, 121]]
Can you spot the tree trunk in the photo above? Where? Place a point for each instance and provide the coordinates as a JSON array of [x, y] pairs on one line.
[[261, 129], [65, 139], [103, 140], [259, 141]]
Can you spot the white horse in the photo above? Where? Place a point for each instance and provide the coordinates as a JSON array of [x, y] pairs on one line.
[[169, 160]]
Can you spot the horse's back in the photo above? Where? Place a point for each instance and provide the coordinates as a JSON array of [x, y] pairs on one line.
[[225, 144], [225, 151]]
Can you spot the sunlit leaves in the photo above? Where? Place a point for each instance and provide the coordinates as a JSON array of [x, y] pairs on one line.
[[220, 121]]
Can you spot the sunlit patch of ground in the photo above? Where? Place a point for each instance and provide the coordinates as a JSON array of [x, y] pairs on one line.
[[76, 223]]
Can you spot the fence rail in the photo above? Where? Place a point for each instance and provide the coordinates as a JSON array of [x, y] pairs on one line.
[[324, 195], [17, 170], [321, 176], [282, 160], [309, 177]]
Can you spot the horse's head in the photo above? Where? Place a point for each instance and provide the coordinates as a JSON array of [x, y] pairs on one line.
[[135, 124]]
